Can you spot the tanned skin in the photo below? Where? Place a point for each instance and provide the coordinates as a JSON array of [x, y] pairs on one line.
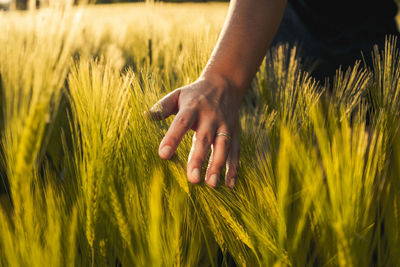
[[210, 105]]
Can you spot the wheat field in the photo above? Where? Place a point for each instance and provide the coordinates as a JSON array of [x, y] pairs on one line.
[[82, 184]]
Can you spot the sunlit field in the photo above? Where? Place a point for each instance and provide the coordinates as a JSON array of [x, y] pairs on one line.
[[82, 183]]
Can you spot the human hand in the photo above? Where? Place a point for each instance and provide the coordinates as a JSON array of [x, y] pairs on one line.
[[210, 107]]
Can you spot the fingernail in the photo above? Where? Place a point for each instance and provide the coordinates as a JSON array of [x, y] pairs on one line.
[[166, 151], [213, 180], [195, 174]]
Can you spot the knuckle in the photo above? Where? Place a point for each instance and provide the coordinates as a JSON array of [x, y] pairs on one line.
[[182, 120], [197, 159], [204, 139], [227, 143], [216, 165], [194, 102], [233, 165], [172, 140], [232, 171], [224, 143]]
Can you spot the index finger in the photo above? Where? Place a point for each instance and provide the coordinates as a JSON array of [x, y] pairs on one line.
[[182, 122]]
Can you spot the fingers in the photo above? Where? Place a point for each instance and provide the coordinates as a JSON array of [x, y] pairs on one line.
[[232, 162], [202, 141], [220, 150], [166, 106], [195, 110], [179, 127]]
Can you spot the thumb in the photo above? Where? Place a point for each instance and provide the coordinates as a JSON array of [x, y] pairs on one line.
[[166, 106]]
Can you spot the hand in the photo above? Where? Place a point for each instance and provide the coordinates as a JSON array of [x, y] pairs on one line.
[[209, 106]]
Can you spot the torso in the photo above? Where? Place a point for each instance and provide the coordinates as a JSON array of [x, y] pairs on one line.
[[336, 32]]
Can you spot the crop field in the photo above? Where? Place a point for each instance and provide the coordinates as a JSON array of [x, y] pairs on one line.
[[82, 184]]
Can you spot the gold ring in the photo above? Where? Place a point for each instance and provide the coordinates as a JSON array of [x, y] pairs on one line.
[[224, 134]]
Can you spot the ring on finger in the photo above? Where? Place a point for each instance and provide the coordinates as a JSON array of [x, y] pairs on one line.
[[223, 134]]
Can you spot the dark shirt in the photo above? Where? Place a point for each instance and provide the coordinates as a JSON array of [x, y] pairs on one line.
[[336, 14], [333, 33]]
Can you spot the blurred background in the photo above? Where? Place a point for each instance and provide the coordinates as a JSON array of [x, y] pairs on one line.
[[32, 4]]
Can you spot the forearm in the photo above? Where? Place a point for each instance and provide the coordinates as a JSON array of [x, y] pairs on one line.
[[248, 31]]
